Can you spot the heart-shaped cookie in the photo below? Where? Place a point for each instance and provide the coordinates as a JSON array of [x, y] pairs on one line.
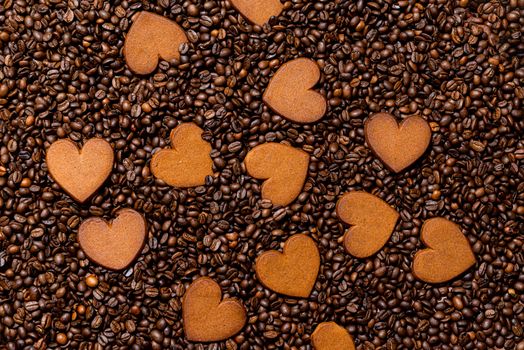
[[292, 272], [188, 162], [331, 336], [258, 11], [398, 146], [113, 245], [290, 93], [152, 37], [372, 221], [80, 172], [284, 167], [206, 316], [448, 254]]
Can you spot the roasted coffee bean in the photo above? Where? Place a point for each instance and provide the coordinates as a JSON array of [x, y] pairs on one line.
[[457, 64]]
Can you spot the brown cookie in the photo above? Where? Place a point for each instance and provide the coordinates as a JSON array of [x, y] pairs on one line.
[[372, 221], [284, 167], [188, 162], [80, 172], [292, 272], [258, 11], [290, 93], [331, 336], [208, 318], [448, 254], [113, 245], [152, 37], [398, 146]]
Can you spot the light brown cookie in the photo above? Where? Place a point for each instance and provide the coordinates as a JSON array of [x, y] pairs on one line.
[[372, 221], [80, 172], [448, 254], [331, 336], [152, 37], [398, 146], [206, 316], [188, 162], [290, 92], [292, 272], [258, 11], [113, 245], [284, 167]]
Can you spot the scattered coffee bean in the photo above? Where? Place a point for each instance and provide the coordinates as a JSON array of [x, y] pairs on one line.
[[92, 281], [457, 64]]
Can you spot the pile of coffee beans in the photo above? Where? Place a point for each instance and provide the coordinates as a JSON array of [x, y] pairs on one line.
[[458, 63]]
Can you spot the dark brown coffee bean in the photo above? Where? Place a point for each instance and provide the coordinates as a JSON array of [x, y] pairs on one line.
[[457, 64]]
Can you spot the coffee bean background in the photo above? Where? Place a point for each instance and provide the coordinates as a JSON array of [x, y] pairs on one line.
[[459, 64]]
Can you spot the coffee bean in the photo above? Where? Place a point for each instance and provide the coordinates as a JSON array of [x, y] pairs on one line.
[[61, 338], [91, 281], [458, 65]]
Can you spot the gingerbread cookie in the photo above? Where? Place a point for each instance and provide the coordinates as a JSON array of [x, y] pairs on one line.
[[188, 162], [283, 167], [206, 316], [372, 221], [290, 92], [397, 145], [448, 254], [150, 38], [80, 172], [258, 11], [292, 272], [113, 245], [330, 336]]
